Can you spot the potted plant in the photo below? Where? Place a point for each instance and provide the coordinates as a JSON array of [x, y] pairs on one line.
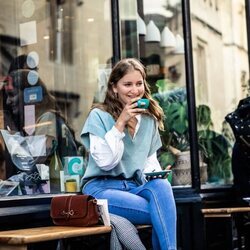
[[174, 104], [214, 148], [175, 138]]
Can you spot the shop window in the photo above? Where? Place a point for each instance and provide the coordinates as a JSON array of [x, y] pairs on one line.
[[221, 55], [221, 73], [159, 33], [55, 57]]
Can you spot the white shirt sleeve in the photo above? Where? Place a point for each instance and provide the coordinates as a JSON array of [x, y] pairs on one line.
[[107, 153], [152, 164]]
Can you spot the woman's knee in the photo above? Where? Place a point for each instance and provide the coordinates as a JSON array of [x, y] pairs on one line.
[[161, 185]]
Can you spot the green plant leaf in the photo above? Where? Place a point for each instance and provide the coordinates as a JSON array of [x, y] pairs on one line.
[[176, 116], [166, 158]]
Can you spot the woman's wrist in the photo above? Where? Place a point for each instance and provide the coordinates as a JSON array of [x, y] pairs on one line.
[[120, 125], [115, 133]]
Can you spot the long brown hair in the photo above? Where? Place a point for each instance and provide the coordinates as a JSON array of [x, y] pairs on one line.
[[111, 103]]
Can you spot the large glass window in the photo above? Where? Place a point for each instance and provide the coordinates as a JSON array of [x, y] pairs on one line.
[[55, 57], [221, 78], [160, 45], [221, 74]]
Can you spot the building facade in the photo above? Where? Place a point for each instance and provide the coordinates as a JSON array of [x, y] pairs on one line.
[[196, 56]]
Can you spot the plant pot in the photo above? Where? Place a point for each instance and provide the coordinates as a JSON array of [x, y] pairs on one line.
[[182, 170]]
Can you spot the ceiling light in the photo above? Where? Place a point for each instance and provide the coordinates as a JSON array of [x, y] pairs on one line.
[[141, 27], [167, 38], [153, 33], [179, 48]]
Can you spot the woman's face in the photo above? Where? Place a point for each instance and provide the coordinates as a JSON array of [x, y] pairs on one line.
[[129, 87], [13, 100]]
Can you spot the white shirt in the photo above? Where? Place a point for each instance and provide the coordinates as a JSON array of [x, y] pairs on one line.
[[108, 152]]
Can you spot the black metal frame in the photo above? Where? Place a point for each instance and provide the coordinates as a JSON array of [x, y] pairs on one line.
[[195, 173], [248, 28], [115, 31]]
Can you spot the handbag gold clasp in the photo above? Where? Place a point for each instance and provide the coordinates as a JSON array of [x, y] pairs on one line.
[[69, 213]]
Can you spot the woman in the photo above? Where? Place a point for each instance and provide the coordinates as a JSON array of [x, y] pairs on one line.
[[47, 118], [122, 140], [35, 113]]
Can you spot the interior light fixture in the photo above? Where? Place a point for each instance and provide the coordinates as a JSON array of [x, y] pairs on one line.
[[153, 33], [167, 38], [179, 48], [141, 26]]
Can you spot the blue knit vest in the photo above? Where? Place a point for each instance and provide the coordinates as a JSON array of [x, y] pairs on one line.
[[136, 150]]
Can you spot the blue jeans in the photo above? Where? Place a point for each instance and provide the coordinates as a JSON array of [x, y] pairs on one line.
[[150, 203]]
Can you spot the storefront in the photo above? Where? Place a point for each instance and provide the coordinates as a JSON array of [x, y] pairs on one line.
[[197, 61]]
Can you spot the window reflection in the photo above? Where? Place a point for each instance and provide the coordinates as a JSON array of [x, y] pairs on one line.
[[51, 70], [220, 82], [33, 112], [161, 49], [220, 60], [221, 74], [163, 55]]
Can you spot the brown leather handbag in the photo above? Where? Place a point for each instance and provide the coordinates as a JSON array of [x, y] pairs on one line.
[[74, 210]]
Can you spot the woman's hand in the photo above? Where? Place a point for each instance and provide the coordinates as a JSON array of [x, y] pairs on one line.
[[128, 113]]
